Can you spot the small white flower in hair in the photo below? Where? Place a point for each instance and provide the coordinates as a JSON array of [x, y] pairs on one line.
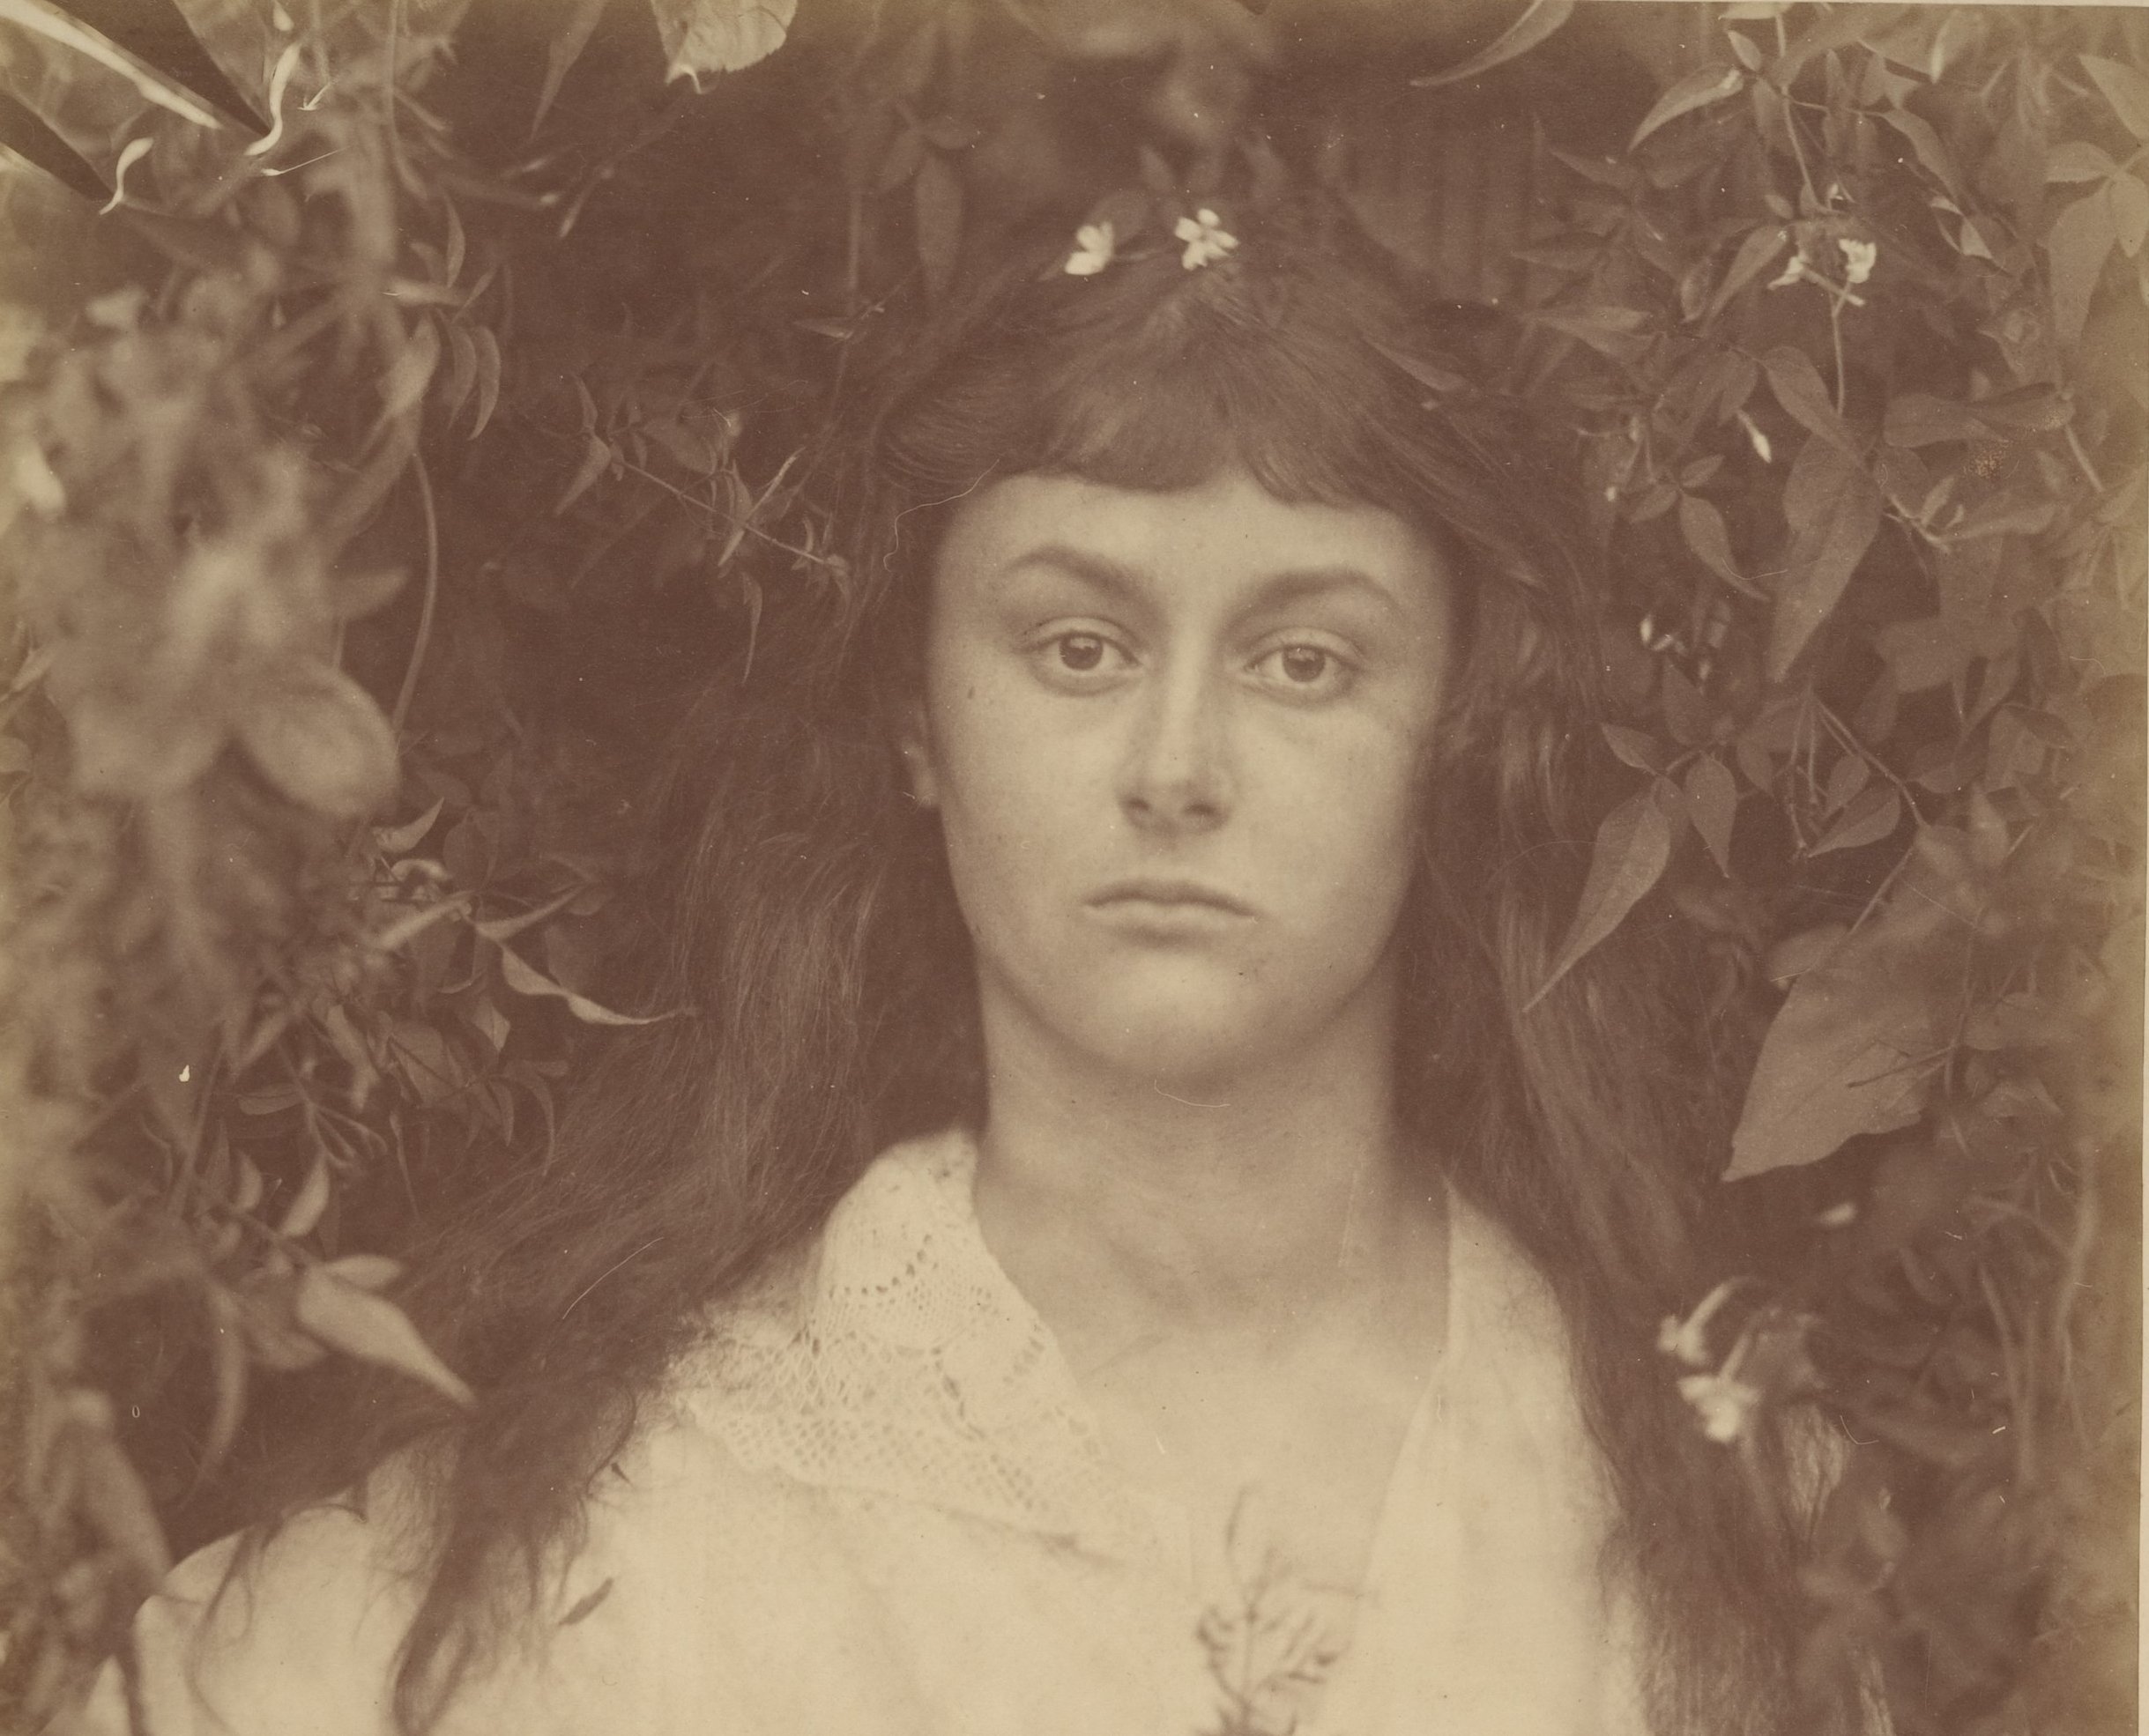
[[1093, 248], [1205, 237], [1858, 259], [1726, 1405]]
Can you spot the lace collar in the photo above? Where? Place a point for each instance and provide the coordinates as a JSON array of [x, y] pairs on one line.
[[896, 1356]]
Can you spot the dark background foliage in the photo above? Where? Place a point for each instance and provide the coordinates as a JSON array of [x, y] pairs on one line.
[[434, 403]]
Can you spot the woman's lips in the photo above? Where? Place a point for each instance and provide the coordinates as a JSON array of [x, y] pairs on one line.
[[1157, 897]]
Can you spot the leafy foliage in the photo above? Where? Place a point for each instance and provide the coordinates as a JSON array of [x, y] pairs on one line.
[[392, 479]]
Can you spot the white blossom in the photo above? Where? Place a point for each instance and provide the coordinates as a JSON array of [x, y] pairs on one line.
[[1205, 237], [1093, 248]]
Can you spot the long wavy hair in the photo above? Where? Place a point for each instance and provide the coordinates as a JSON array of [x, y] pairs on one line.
[[810, 923]]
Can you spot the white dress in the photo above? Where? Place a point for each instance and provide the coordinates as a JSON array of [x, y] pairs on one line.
[[876, 1504]]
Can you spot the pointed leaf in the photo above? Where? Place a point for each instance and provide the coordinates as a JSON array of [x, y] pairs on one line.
[[2125, 89], [1797, 385], [489, 377], [312, 1200], [1926, 143], [1696, 90], [402, 840], [1703, 527], [2130, 213], [360, 1323], [596, 460], [1633, 845], [2082, 238], [1834, 511], [24, 132], [1755, 255], [526, 979], [1711, 803], [1867, 820], [563, 51], [1539, 19]]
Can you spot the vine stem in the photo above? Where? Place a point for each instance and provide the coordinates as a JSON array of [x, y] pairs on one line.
[[425, 614]]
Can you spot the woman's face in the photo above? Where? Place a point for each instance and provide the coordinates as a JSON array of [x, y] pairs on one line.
[[1176, 741]]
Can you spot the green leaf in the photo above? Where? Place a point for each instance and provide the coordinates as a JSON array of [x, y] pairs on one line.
[[1703, 527], [1633, 845], [1539, 19], [2125, 89], [705, 36], [2082, 238], [2078, 160], [1696, 90], [1834, 511], [1711, 803], [319, 737], [353, 1320]]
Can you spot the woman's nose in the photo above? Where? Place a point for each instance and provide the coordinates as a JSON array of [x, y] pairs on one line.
[[1177, 771]]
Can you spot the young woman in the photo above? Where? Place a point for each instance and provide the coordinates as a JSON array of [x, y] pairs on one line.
[[1125, 1246]]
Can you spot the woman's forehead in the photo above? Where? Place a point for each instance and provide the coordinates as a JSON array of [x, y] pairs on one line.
[[1227, 529]]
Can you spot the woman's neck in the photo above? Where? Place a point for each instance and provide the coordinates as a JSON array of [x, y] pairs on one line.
[[1254, 1205]]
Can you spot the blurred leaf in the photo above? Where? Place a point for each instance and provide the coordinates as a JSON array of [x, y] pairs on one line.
[[1636, 749], [1633, 843], [1917, 419], [937, 202], [2130, 200], [1834, 511], [2125, 89], [1696, 90], [360, 1323], [705, 36], [1712, 802], [311, 1202], [1538, 21], [563, 51], [527, 979], [1926, 143], [597, 458], [2082, 238], [394, 841], [114, 1501], [1800, 953], [153, 86], [489, 377], [23, 131], [319, 737], [368, 1271], [2078, 160]]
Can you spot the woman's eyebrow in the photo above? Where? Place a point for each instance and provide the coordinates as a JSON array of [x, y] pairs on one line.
[[1302, 584], [1099, 571]]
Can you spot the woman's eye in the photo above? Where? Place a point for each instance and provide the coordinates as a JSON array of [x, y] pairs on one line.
[[1081, 652], [1308, 668]]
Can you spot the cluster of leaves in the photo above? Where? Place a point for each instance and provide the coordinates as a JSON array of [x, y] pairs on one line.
[[360, 520], [1857, 327]]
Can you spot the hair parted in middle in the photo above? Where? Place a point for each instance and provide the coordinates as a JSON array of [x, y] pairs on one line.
[[808, 919]]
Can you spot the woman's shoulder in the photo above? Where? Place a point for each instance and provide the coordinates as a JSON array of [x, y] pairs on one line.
[[283, 1627]]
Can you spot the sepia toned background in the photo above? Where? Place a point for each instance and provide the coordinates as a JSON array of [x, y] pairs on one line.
[[406, 405]]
